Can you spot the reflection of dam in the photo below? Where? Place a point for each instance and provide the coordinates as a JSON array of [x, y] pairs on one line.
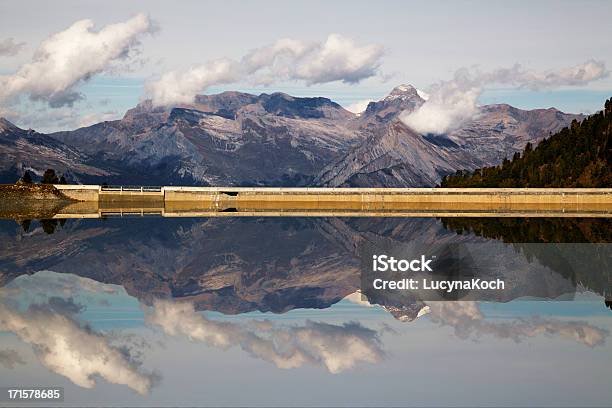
[[99, 201]]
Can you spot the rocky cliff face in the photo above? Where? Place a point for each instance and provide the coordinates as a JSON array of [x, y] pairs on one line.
[[22, 150], [395, 156], [226, 139], [274, 139]]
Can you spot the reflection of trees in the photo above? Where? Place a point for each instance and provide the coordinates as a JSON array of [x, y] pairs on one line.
[[544, 230], [49, 226], [25, 225], [521, 231]]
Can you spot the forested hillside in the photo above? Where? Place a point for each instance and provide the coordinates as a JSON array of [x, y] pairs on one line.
[[577, 156]]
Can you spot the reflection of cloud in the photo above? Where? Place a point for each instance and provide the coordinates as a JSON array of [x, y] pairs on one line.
[[337, 347], [71, 350], [336, 59], [10, 358], [467, 320], [359, 299], [404, 313]]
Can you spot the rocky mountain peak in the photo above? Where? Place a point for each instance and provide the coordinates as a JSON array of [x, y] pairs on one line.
[[402, 98], [403, 92], [6, 125], [281, 104]]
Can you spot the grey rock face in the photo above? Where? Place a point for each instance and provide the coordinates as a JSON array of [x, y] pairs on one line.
[[22, 150], [226, 139], [395, 156]]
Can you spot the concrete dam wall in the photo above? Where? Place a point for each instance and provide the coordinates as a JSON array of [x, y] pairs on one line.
[[341, 195], [271, 201]]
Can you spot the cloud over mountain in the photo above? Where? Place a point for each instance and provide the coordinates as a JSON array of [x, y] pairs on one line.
[[453, 102], [336, 59], [9, 48], [70, 57]]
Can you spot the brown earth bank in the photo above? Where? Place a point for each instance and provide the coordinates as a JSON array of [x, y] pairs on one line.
[[24, 201]]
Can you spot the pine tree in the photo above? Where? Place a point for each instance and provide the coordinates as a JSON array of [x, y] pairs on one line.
[[27, 178], [577, 156], [49, 177]]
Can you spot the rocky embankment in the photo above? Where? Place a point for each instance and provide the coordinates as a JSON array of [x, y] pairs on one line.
[[26, 201]]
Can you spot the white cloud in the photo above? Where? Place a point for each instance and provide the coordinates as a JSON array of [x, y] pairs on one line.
[[181, 87], [336, 347], [275, 56], [97, 117], [449, 105], [336, 59], [424, 95], [69, 57], [578, 75], [359, 106], [42, 118], [452, 103], [9, 48]]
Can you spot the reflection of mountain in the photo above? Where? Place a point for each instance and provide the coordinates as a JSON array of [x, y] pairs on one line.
[[227, 265], [240, 139], [235, 265]]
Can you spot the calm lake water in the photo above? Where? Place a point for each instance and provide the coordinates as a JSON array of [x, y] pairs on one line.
[[266, 311]]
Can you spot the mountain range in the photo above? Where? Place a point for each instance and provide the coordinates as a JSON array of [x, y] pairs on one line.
[[241, 139]]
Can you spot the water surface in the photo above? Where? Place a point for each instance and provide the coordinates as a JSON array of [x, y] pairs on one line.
[[266, 311]]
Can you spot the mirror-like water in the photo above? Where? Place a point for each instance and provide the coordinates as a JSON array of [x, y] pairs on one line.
[[267, 311]]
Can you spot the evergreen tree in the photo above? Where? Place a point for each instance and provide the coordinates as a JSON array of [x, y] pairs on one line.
[[49, 177], [27, 177]]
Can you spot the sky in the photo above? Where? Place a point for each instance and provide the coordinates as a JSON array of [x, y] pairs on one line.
[[349, 51]]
